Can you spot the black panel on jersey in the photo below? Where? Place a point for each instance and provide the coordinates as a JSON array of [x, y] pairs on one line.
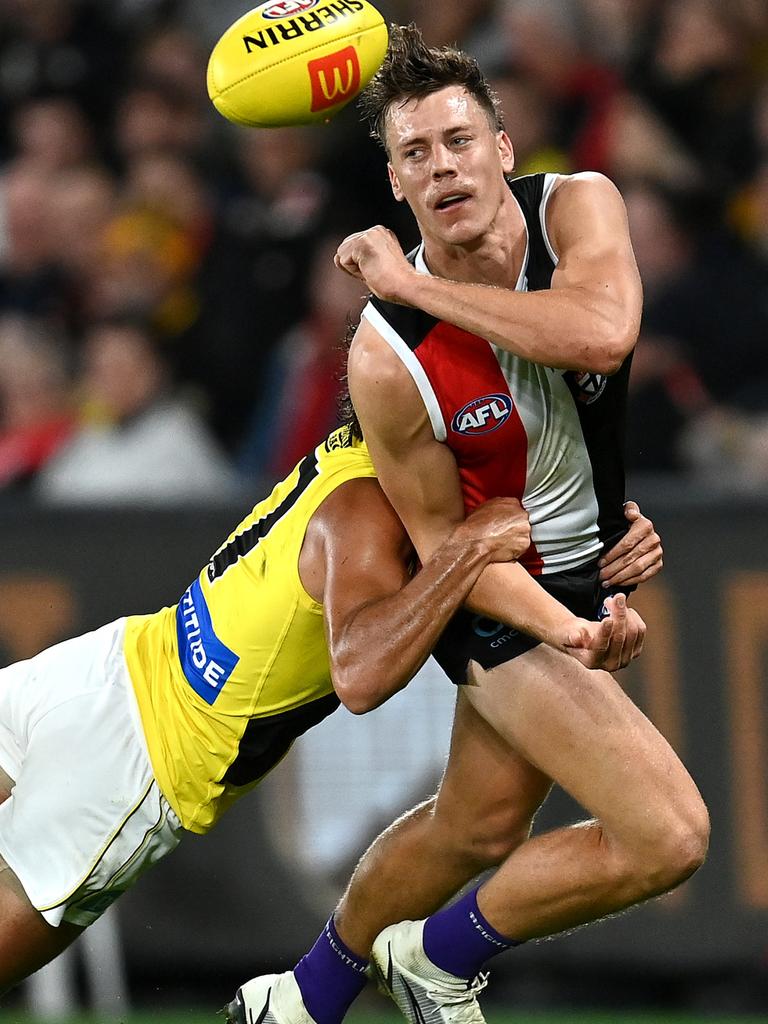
[[600, 401], [413, 325], [603, 426], [247, 541], [529, 191], [267, 740]]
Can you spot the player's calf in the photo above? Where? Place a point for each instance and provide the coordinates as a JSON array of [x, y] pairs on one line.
[[27, 941]]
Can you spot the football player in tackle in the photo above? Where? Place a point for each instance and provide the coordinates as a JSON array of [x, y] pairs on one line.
[[115, 743], [494, 361]]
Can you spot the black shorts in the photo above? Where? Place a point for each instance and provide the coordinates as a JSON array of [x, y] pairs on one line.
[[469, 637]]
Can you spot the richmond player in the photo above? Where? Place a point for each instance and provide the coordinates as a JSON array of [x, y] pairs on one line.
[[115, 743]]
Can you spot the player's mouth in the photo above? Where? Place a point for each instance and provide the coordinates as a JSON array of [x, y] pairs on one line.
[[452, 201]]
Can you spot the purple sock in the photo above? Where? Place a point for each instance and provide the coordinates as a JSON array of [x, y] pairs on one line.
[[459, 939], [330, 977]]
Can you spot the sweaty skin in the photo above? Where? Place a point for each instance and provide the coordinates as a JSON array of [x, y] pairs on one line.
[[541, 716], [442, 145]]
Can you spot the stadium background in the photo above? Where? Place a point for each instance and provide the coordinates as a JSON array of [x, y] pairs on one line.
[[169, 323]]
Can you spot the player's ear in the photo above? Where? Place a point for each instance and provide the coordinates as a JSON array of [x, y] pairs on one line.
[[397, 192], [506, 152]]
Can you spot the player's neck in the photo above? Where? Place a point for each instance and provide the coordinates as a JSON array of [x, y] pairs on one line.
[[494, 258]]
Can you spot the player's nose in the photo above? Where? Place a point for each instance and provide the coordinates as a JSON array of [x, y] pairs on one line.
[[443, 162]]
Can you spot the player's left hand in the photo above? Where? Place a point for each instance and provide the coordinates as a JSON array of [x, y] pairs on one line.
[[375, 256], [611, 643], [637, 557]]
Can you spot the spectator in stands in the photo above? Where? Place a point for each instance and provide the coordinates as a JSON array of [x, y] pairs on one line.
[[530, 115], [253, 282], [36, 415], [60, 48], [82, 202], [698, 378], [51, 135], [158, 114], [699, 75], [138, 442], [303, 377], [153, 245], [28, 282]]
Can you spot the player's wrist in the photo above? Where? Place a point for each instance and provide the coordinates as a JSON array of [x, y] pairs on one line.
[[567, 633], [405, 287], [468, 551]]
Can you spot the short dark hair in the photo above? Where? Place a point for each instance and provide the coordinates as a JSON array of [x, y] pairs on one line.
[[411, 69]]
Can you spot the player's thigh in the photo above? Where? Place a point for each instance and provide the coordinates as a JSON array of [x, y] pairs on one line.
[[27, 941], [488, 789], [581, 730]]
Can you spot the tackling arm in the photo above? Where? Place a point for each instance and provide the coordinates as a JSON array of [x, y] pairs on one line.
[[420, 478], [381, 625]]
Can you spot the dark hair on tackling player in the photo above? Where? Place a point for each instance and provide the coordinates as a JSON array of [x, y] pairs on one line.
[[346, 411], [411, 70]]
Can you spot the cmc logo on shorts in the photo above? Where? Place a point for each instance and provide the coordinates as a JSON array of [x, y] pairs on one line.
[[287, 8], [207, 663], [334, 78], [482, 415]]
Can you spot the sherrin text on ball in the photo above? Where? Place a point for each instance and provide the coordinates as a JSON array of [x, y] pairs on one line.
[[292, 62]]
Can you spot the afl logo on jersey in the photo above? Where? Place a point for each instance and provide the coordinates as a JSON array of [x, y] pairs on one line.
[[482, 415]]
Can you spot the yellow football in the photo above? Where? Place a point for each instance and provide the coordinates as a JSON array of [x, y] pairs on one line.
[[295, 61]]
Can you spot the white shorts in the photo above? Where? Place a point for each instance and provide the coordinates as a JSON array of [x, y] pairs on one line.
[[85, 817]]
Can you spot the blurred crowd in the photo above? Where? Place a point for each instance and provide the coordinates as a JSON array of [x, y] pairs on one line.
[[170, 317]]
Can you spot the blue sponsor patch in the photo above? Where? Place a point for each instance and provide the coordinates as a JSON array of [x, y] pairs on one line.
[[206, 662]]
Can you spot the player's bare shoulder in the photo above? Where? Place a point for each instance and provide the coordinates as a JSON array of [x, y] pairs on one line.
[[585, 204], [371, 360], [383, 392]]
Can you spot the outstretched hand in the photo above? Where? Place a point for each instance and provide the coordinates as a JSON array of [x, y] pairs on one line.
[[611, 643]]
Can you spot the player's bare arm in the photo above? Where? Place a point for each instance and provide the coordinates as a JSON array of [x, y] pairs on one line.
[[588, 320], [420, 478], [381, 625]]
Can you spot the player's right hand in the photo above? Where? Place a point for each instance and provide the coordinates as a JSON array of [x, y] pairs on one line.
[[611, 643], [501, 526]]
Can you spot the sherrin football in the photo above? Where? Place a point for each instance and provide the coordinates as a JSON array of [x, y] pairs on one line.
[[292, 62]]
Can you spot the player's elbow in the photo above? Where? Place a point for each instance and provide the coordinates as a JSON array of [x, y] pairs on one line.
[[606, 356], [615, 340], [356, 702], [353, 690]]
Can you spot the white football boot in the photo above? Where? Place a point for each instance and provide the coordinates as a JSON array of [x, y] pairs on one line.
[[269, 999], [424, 993]]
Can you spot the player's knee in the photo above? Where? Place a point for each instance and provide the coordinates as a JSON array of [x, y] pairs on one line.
[[678, 850], [489, 842], [688, 842]]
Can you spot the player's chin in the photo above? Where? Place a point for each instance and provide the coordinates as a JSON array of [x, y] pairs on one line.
[[464, 231]]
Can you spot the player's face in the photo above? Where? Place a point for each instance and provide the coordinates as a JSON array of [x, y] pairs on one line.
[[448, 164]]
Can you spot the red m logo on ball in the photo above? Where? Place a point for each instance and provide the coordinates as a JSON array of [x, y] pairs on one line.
[[334, 78]]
